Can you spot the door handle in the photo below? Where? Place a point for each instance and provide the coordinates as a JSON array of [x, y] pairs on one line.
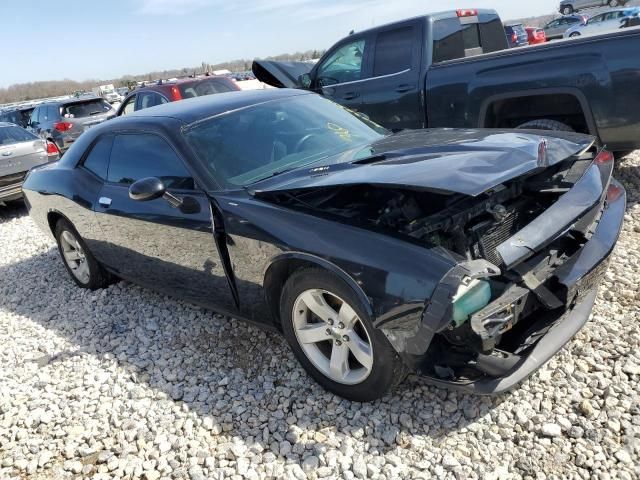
[[404, 88], [350, 95], [104, 201]]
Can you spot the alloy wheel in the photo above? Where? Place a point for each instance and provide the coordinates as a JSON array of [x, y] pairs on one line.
[[74, 256], [332, 336]]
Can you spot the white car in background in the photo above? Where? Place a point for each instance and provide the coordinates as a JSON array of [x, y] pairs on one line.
[[607, 21]]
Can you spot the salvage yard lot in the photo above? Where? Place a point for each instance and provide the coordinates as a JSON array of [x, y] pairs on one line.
[[125, 382]]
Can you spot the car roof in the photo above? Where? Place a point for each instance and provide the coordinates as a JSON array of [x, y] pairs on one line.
[[198, 108]]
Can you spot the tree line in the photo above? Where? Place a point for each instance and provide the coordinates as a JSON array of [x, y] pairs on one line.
[[53, 88]]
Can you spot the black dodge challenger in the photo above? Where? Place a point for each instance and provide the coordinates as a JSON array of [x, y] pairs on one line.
[[468, 257]]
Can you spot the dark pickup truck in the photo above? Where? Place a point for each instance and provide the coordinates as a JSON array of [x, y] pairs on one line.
[[453, 69]]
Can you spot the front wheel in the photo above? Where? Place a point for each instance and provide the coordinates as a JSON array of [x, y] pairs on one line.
[[333, 338], [83, 268], [574, 34]]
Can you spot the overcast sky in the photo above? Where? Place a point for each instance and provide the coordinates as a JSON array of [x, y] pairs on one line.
[[79, 39]]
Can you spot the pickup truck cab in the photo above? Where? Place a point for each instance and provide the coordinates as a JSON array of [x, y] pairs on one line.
[[381, 71], [454, 69]]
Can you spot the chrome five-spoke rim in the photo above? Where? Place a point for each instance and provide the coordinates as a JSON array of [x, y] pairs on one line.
[[332, 336], [74, 256]]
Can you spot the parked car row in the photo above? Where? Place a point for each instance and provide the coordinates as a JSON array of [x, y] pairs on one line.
[[604, 22]]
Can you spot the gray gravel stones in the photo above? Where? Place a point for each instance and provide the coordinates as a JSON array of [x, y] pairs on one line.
[[126, 383]]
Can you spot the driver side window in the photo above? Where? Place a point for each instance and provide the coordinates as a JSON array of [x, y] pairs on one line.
[[344, 65], [140, 155]]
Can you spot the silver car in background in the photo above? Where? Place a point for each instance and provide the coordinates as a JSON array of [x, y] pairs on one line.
[[556, 28], [608, 21], [567, 7], [20, 151], [63, 121]]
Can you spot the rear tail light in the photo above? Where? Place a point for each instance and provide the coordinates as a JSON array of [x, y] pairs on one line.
[[63, 126], [613, 193], [52, 149], [175, 94], [467, 12], [514, 37], [603, 158]]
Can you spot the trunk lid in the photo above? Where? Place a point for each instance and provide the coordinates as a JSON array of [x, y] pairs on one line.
[[22, 156], [469, 162], [280, 74]]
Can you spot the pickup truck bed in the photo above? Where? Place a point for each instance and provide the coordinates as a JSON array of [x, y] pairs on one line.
[[590, 84]]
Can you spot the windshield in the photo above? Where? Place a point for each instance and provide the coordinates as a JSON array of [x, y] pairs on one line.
[[85, 109], [247, 145]]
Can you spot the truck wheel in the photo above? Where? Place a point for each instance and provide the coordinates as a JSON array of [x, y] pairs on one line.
[[333, 338], [568, 10], [544, 124]]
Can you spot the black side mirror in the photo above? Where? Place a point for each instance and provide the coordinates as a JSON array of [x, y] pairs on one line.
[[305, 80], [151, 188], [147, 189]]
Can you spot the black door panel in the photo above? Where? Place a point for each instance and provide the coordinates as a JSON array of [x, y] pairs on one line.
[[162, 248]]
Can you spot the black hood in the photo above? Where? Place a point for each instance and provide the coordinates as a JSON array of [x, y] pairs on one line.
[[440, 160]]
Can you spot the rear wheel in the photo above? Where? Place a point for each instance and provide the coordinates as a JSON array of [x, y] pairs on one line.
[[544, 124], [78, 260], [614, 3], [568, 10], [574, 34], [333, 338]]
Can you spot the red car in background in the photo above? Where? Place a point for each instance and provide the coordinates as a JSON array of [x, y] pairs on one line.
[[174, 90], [536, 35]]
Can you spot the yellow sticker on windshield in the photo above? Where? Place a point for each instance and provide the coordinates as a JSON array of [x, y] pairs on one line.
[[340, 131]]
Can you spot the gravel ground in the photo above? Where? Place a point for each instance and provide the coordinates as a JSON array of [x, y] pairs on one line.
[[126, 383]]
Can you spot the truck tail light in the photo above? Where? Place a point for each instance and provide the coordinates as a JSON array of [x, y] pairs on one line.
[[175, 94], [63, 126], [467, 12], [603, 158]]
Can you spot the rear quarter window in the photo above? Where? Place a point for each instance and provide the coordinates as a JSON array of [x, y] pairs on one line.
[[394, 51], [97, 161]]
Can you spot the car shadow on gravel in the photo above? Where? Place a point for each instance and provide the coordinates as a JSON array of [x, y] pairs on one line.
[[244, 378], [12, 210]]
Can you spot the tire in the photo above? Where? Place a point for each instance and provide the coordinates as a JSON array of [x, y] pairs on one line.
[[614, 3], [568, 10], [574, 35], [87, 273], [321, 289], [544, 124]]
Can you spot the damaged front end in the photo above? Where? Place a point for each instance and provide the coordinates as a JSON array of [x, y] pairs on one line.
[[529, 253]]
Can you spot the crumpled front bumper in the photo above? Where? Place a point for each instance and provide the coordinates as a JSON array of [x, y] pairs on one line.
[[581, 274]]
